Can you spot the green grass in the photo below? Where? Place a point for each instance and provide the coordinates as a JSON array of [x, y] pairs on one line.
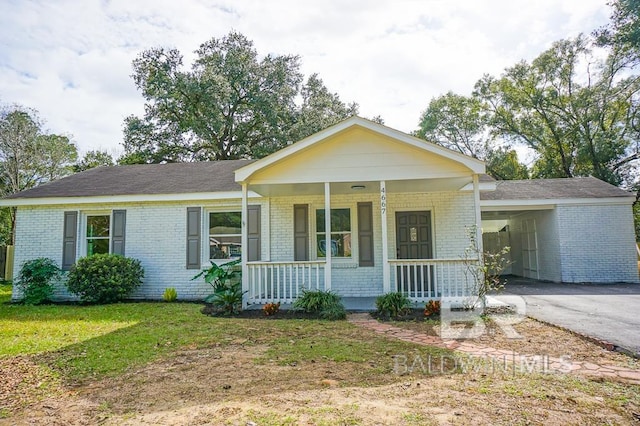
[[84, 342]]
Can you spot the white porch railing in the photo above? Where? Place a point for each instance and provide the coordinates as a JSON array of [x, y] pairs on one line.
[[283, 281], [425, 279]]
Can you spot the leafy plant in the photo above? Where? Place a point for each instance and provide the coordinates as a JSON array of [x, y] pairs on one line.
[[432, 308], [104, 278], [483, 269], [170, 294], [219, 275], [228, 299], [36, 280], [392, 304], [271, 308], [325, 304]]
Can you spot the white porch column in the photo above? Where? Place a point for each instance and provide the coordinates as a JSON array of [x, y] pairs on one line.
[[244, 241], [327, 232], [386, 272], [476, 202]]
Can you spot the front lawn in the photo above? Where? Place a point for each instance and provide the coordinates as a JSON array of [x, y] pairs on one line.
[[166, 363]]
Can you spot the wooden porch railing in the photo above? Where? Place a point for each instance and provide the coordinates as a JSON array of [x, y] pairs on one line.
[[425, 279], [283, 281]]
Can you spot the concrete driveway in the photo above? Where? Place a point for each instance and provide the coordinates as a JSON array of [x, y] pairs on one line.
[[609, 312]]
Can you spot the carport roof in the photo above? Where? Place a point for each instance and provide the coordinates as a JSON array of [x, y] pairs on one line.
[[553, 189]]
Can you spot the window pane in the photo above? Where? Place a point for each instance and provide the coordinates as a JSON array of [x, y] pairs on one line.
[[97, 226], [340, 245], [97, 246], [225, 223], [224, 247], [340, 220]]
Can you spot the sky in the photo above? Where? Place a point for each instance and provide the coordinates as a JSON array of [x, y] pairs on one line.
[[71, 59]]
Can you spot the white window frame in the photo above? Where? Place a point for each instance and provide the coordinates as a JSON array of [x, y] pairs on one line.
[[354, 229], [85, 215], [207, 227]]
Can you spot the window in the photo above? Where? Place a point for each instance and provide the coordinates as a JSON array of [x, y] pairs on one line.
[[225, 235], [98, 228], [340, 233]]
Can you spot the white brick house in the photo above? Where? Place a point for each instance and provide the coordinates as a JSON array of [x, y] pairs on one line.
[[400, 212]]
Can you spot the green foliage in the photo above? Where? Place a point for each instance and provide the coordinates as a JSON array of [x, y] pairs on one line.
[[231, 104], [93, 159], [326, 304], [170, 294], [573, 109], [218, 276], [227, 298], [392, 304], [461, 124], [36, 280], [623, 32], [104, 278]]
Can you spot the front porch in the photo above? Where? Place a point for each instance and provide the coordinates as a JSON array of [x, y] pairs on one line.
[[361, 210], [420, 280]]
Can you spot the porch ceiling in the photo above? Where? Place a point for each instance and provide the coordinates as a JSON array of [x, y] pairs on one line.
[[370, 187]]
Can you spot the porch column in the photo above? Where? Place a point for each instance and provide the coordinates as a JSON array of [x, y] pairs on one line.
[[386, 272], [244, 241], [476, 202], [327, 233]]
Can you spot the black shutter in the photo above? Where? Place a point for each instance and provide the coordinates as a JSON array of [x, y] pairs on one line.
[[193, 237], [300, 232], [365, 234], [69, 240], [253, 233], [118, 226]]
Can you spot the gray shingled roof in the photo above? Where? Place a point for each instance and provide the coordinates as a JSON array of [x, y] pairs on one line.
[[173, 178], [550, 189]]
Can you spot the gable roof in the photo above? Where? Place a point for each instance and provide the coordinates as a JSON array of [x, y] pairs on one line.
[[142, 179], [554, 189], [475, 166]]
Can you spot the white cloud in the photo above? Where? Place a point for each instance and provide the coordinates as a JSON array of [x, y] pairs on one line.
[[71, 60]]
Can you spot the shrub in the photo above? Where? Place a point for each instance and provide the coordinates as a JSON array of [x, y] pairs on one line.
[[271, 308], [432, 308], [35, 280], [104, 278], [392, 304], [325, 304], [170, 294], [228, 298], [219, 276]]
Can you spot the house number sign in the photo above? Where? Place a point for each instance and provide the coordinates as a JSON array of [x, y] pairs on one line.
[[383, 200]]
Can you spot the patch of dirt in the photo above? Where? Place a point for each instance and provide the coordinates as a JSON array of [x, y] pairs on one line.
[[536, 338], [259, 314], [238, 385]]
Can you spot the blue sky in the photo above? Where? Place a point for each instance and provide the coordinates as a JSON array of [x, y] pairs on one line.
[[71, 59]]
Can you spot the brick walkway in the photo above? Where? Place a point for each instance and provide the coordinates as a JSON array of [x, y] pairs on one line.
[[547, 364]]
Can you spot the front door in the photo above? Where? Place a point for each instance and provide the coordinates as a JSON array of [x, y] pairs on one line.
[[413, 242], [413, 235]]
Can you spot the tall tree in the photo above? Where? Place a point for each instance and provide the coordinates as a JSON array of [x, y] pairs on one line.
[[230, 104], [93, 159], [28, 155], [459, 123], [623, 31], [576, 112]]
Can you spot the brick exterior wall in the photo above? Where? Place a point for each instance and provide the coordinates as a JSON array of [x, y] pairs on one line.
[[156, 235], [597, 243]]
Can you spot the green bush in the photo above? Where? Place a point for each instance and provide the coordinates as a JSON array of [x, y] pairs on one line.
[[104, 278], [228, 298], [392, 304], [35, 280], [170, 294], [326, 304]]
